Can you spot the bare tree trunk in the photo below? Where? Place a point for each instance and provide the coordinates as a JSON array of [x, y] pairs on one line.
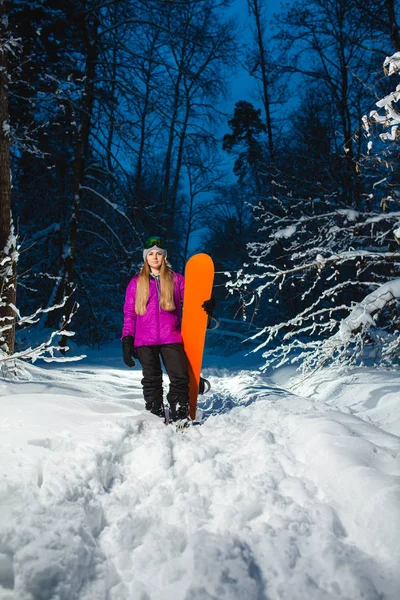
[[352, 177], [189, 221], [110, 135], [168, 157], [145, 111], [179, 160], [255, 8], [81, 152], [8, 269]]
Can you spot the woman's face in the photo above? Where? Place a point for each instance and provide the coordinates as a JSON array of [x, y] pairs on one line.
[[155, 259]]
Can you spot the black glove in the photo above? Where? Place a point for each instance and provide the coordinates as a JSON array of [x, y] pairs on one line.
[[209, 306], [128, 351]]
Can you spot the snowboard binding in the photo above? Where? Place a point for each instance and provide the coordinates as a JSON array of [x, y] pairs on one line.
[[184, 423], [204, 386]]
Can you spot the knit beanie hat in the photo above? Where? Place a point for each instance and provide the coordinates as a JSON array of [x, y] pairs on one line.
[[154, 243]]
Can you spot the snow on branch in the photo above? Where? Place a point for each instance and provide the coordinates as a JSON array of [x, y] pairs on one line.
[[276, 275], [393, 62], [307, 283], [115, 236], [46, 350], [391, 118], [362, 314], [113, 205], [45, 233], [354, 331]]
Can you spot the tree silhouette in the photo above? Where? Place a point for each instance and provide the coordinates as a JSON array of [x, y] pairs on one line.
[[247, 143]]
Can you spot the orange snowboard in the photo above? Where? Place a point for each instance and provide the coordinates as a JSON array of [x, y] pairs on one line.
[[199, 277]]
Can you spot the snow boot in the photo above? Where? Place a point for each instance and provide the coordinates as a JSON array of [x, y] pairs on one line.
[[178, 409], [158, 411], [155, 409]]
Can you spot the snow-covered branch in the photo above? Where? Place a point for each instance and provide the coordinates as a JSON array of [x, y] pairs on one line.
[[363, 313], [391, 117], [326, 276], [45, 350]]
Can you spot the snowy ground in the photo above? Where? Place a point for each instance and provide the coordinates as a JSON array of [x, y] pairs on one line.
[[276, 496]]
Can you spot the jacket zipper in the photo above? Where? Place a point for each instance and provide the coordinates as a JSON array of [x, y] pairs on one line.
[[158, 290]]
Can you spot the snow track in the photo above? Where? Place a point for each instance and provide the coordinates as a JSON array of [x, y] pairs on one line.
[[273, 497]]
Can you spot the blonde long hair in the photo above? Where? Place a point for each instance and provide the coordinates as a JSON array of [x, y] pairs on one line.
[[143, 288]]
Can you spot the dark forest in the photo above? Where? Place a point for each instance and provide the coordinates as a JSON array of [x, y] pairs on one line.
[[118, 124]]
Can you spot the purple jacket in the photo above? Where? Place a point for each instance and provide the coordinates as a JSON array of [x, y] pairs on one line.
[[156, 326]]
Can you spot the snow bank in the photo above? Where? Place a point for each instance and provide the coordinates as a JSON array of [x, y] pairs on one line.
[[370, 394]]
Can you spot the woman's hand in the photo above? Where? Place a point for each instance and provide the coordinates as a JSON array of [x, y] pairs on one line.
[[128, 351], [209, 306]]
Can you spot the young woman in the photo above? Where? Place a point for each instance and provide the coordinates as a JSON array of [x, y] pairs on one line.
[[152, 330]]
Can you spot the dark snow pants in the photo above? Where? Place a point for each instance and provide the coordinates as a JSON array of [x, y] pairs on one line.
[[176, 365]]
